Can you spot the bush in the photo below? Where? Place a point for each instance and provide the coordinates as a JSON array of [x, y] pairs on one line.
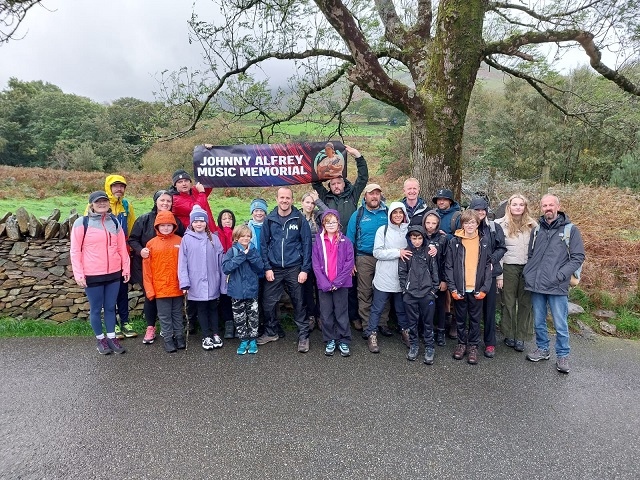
[[627, 174]]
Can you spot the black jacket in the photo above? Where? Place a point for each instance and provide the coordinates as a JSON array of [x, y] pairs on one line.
[[419, 275], [454, 266], [496, 243]]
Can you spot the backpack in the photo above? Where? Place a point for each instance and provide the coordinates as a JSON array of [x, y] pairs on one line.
[[566, 237], [454, 221], [85, 224]]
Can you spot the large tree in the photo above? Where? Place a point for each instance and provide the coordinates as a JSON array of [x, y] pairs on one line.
[[420, 56]]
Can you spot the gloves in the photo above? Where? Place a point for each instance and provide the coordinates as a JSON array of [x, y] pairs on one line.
[[456, 296], [480, 295]]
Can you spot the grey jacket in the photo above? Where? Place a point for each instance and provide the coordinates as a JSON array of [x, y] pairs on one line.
[[550, 264]]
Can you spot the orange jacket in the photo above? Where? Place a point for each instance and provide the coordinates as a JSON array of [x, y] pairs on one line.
[[160, 268]]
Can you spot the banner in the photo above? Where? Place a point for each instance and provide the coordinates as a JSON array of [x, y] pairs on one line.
[[269, 165]]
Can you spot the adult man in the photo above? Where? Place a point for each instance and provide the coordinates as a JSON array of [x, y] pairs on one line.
[[552, 259], [344, 197], [414, 204], [361, 230], [448, 209], [285, 246], [115, 186], [186, 195]]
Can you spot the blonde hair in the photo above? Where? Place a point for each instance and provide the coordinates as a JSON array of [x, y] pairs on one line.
[[468, 215], [524, 224], [239, 231]]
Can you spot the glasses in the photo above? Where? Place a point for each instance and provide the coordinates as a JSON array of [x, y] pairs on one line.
[[331, 223]]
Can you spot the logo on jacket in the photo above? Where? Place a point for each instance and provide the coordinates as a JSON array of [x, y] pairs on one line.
[[293, 227]]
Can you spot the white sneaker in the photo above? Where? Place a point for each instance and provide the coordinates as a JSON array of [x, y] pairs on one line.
[[207, 343], [217, 341]]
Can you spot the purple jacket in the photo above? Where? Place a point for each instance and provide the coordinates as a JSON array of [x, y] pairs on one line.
[[200, 266], [345, 263]]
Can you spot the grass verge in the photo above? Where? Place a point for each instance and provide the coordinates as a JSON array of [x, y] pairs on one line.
[[11, 328]]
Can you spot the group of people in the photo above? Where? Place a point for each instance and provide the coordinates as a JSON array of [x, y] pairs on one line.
[[343, 262]]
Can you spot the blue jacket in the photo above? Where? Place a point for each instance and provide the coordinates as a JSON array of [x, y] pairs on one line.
[[364, 237], [242, 270], [200, 266], [445, 219], [286, 241]]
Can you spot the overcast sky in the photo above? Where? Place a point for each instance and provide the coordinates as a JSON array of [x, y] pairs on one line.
[[102, 49]]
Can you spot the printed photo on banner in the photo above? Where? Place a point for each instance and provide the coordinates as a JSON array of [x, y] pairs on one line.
[[268, 164]]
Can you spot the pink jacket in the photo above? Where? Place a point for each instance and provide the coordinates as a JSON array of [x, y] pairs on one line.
[[100, 254]]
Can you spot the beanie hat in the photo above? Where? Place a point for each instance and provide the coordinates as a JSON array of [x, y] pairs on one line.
[[479, 203], [258, 203], [179, 175], [197, 213]]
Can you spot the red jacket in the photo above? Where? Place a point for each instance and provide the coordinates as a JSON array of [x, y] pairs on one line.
[[184, 202]]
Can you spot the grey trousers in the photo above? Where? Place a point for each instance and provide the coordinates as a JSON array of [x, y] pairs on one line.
[[170, 316]]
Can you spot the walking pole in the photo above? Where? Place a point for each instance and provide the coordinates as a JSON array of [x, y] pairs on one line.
[[186, 314]]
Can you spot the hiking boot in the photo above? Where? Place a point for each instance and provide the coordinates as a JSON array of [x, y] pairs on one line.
[[562, 364], [266, 338], [207, 343], [357, 324], [217, 341], [428, 356], [385, 331], [510, 342], [243, 347], [312, 323], [181, 344], [114, 345], [459, 352], [128, 331], [169, 345], [372, 343], [303, 345], [413, 353], [440, 338], [453, 331], [119, 334], [253, 347], [344, 349], [405, 338], [103, 347], [149, 335], [519, 346], [538, 354], [472, 359], [228, 329], [330, 348], [490, 351]]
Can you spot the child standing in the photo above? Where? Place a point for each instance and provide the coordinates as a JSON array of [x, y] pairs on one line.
[[333, 260], [438, 240], [419, 282], [226, 224], [242, 263], [468, 275], [160, 278], [200, 274]]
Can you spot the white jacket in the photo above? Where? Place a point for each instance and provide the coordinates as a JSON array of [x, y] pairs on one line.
[[386, 249]]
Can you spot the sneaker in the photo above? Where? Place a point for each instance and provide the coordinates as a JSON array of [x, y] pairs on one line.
[[128, 331], [459, 352], [119, 334], [169, 346], [303, 345], [440, 338], [519, 346], [243, 347], [413, 353], [330, 348], [103, 347], [149, 335], [510, 342], [114, 345], [538, 354], [472, 359], [265, 338], [372, 343], [562, 364], [253, 347], [344, 350], [428, 356], [229, 329], [490, 351], [181, 343], [207, 343], [405, 338], [217, 341]]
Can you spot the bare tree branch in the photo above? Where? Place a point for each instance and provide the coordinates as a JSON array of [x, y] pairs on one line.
[[394, 30], [12, 14]]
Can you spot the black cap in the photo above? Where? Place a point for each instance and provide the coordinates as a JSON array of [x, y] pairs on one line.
[[95, 196], [179, 175], [443, 193], [479, 203]]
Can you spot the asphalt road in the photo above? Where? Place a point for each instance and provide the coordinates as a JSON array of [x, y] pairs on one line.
[[66, 412]]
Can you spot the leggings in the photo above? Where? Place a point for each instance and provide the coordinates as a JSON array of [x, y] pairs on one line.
[[103, 296]]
